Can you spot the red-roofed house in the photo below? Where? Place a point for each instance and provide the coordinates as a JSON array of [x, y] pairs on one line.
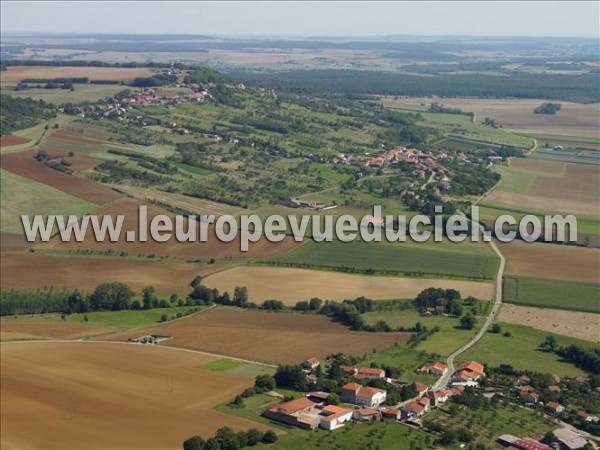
[[370, 373], [333, 417], [311, 363], [554, 407], [435, 368], [359, 395], [348, 370], [420, 387]]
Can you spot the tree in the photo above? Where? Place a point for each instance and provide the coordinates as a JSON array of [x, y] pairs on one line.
[[315, 304], [468, 322], [495, 328], [194, 443], [197, 281], [269, 437], [212, 444], [164, 318], [333, 399], [254, 436], [148, 297], [550, 343], [264, 383], [111, 297], [240, 296]]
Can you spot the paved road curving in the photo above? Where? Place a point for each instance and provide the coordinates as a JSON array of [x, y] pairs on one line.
[[445, 379]]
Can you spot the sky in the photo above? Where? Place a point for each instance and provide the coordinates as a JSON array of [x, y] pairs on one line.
[[284, 18]]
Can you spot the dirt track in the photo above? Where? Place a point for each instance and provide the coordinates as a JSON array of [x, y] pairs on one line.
[[93, 395]]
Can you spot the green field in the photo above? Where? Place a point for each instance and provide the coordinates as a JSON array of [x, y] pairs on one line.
[[449, 338], [521, 351], [118, 319], [446, 259], [490, 421], [82, 93], [489, 212], [461, 125], [223, 365], [22, 196], [552, 294]]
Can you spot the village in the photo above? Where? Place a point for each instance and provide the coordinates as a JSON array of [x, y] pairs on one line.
[[358, 401]]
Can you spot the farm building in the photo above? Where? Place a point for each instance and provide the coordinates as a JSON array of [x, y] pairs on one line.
[[468, 374], [304, 413], [368, 373], [311, 363]]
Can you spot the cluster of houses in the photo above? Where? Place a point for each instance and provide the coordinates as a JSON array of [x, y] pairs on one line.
[[159, 96], [527, 395], [305, 204], [565, 439], [369, 403]]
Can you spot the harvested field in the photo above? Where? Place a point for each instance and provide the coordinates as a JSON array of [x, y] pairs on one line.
[[212, 248], [10, 139], [568, 323], [573, 119], [15, 336], [25, 165], [14, 74], [293, 285], [552, 261], [51, 330], [97, 395], [85, 273], [276, 338]]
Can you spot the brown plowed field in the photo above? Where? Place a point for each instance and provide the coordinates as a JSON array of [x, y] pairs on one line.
[[14, 74], [108, 396], [11, 242], [213, 248], [11, 139], [276, 338], [293, 285], [51, 330], [561, 262], [32, 271], [25, 165]]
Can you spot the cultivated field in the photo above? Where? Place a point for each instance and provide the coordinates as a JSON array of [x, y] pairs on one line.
[[552, 261], [25, 165], [14, 74], [464, 260], [555, 294], [49, 330], [579, 325], [574, 119], [9, 140], [212, 248], [549, 186], [292, 285], [22, 196], [276, 338], [110, 396], [32, 271], [81, 93]]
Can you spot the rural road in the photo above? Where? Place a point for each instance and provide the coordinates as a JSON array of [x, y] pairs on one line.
[[444, 380], [164, 347]]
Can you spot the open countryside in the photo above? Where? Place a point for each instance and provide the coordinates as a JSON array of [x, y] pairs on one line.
[[298, 345]]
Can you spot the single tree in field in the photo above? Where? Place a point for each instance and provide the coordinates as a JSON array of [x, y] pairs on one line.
[[468, 322], [240, 296]]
